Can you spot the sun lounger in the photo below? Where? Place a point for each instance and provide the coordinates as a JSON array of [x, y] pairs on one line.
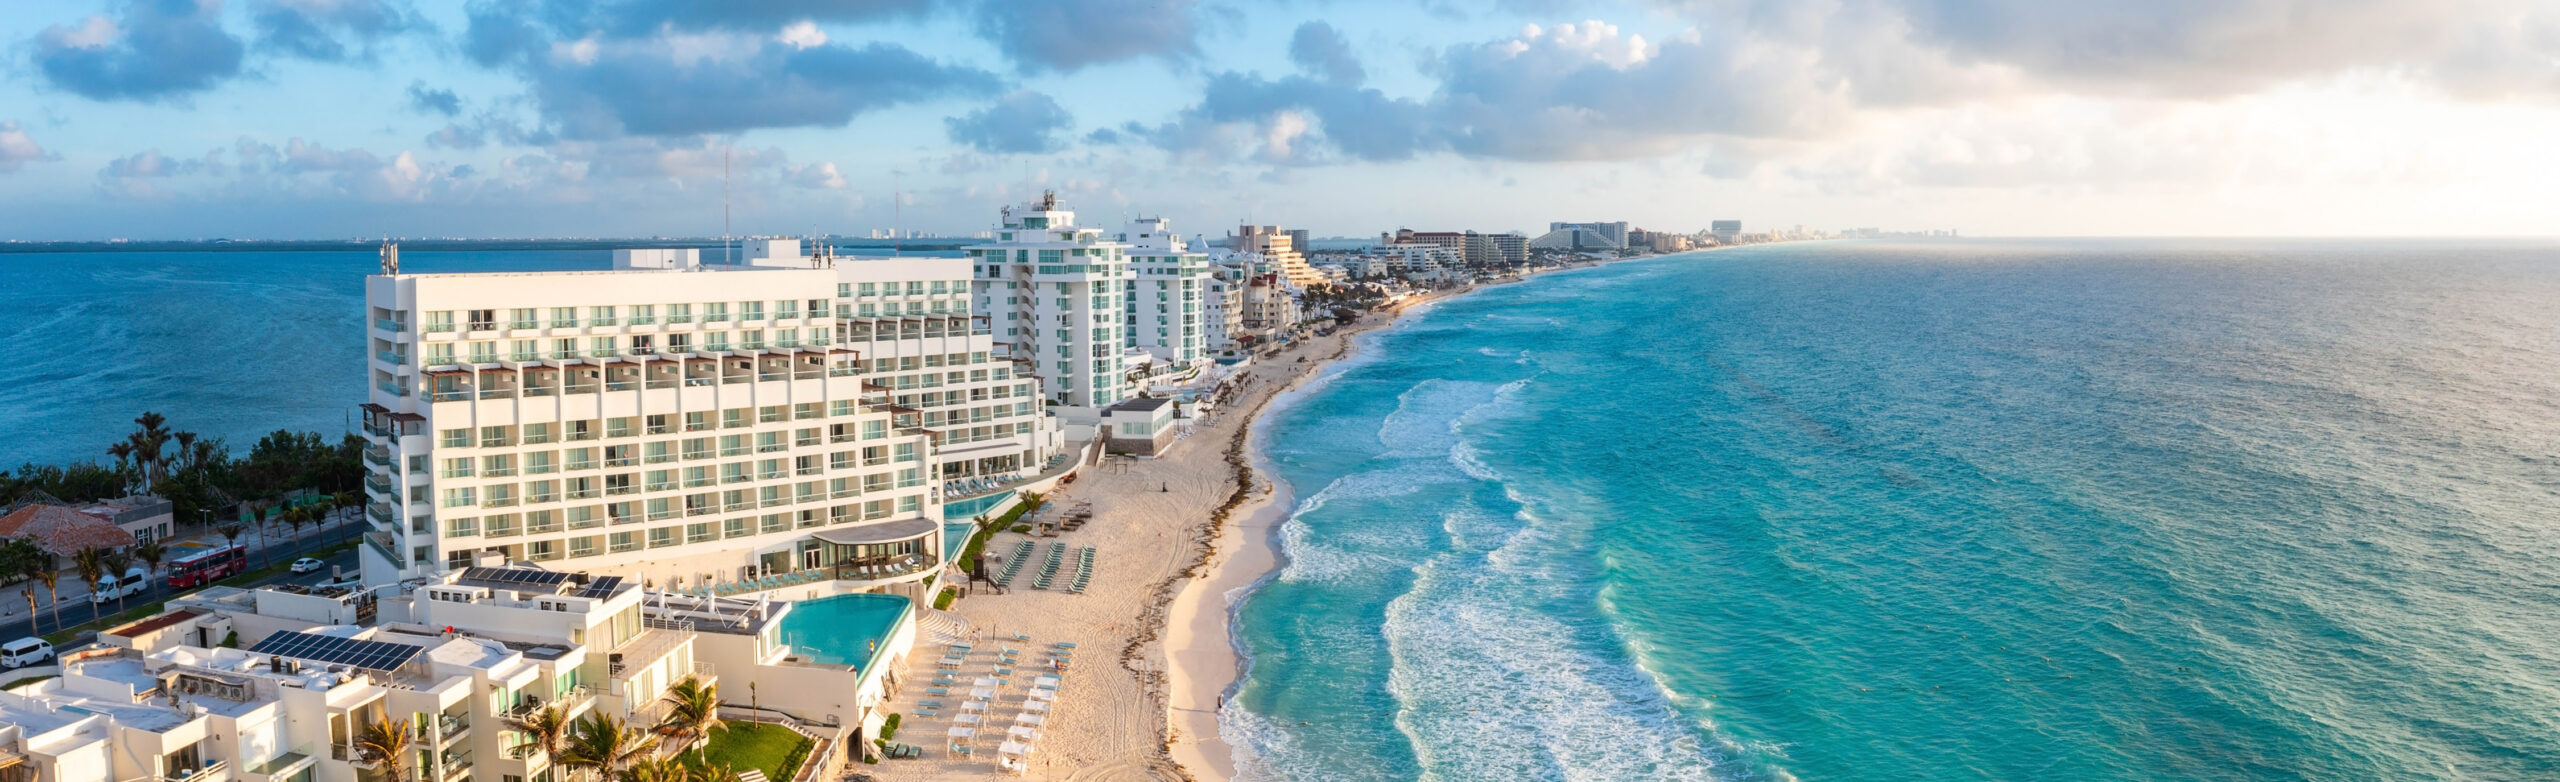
[[930, 704], [937, 691], [928, 712]]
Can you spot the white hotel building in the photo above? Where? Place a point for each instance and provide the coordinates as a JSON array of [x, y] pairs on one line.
[[1056, 296], [1168, 297], [689, 424]]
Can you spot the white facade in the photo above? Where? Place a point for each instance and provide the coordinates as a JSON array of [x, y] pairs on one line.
[[912, 320], [1279, 248], [1056, 296], [664, 419], [1168, 295]]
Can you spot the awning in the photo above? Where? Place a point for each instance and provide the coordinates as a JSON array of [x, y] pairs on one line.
[[884, 532]]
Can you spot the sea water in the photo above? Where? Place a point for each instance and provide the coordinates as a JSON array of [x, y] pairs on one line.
[[2090, 510]]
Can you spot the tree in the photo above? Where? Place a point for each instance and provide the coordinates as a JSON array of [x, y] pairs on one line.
[[348, 502], [92, 563], [386, 743], [152, 553], [230, 534], [544, 732], [604, 744], [51, 579], [258, 515], [147, 444], [293, 519], [693, 710], [116, 561], [658, 770]]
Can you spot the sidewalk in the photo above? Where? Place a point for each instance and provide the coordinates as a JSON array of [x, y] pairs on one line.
[[75, 591]]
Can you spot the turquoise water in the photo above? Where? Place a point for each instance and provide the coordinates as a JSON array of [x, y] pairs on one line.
[[1937, 511], [843, 629]]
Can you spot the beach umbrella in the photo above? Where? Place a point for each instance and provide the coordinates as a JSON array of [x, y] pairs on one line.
[[968, 719], [983, 693], [1049, 681], [1030, 719], [974, 706], [1013, 748], [1025, 732], [962, 733], [1036, 706], [1044, 693], [988, 681]]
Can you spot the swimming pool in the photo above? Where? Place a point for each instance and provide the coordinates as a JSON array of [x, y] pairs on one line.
[[844, 629]]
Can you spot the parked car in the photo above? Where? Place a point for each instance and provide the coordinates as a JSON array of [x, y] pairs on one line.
[[25, 652], [308, 565]]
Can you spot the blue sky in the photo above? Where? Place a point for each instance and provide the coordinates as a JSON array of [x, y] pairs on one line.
[[337, 118]]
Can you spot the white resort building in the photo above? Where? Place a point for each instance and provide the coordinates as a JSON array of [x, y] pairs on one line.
[[287, 684], [697, 426], [1167, 297], [1056, 296]]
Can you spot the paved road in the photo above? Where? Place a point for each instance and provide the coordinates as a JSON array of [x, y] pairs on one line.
[[75, 611]]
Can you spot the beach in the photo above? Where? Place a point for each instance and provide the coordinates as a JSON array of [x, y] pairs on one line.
[[1172, 537]]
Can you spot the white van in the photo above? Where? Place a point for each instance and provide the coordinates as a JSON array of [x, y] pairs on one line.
[[25, 652], [133, 582]]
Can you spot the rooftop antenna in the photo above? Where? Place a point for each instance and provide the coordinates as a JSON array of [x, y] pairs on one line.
[[728, 251]]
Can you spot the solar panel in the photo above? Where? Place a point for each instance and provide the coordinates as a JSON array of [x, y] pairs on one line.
[[602, 587], [369, 655], [514, 576]]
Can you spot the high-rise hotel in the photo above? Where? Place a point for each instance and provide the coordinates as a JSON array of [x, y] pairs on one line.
[[1168, 297], [1056, 295], [687, 423]]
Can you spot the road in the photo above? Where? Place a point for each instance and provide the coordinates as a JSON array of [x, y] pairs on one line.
[[77, 611]]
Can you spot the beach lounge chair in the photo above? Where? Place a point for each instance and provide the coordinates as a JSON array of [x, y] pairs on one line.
[[928, 712], [1065, 644], [930, 704], [1019, 636], [937, 691]]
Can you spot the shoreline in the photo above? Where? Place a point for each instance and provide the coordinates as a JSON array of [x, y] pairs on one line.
[[1173, 533]]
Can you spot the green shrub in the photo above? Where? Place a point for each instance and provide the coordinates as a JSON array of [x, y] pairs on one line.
[[231, 640], [889, 727], [942, 602]]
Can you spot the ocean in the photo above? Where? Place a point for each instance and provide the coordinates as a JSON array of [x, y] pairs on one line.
[[1946, 510]]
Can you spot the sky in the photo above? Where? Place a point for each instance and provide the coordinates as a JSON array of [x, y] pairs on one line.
[[184, 119]]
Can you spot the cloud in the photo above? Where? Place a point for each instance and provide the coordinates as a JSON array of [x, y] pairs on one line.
[[458, 136], [439, 101], [816, 176], [17, 150], [589, 84], [312, 29], [153, 50], [152, 164], [1320, 50], [1070, 35], [1020, 122]]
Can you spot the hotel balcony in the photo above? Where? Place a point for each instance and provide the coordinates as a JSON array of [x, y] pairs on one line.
[[216, 771]]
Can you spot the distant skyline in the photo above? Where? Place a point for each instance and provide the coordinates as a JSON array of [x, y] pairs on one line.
[[180, 119]]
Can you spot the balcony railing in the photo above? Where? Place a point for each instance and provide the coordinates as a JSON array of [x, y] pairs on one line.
[[213, 770]]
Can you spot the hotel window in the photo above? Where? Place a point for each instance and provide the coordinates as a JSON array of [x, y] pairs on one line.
[[662, 508], [661, 423], [494, 436], [564, 317], [537, 434], [715, 312], [498, 465], [643, 345], [524, 350], [484, 352], [456, 468], [582, 517], [439, 354], [541, 491], [697, 477], [697, 448], [541, 521], [769, 496], [736, 528], [735, 472], [460, 497], [679, 313], [873, 430], [733, 445], [606, 347], [751, 310], [601, 316], [455, 438], [523, 319], [580, 458], [679, 343], [776, 522], [806, 465], [542, 550], [582, 429], [659, 537], [737, 417], [658, 452], [620, 455], [644, 314], [440, 321], [769, 469], [484, 320], [584, 546], [500, 526], [786, 309], [715, 342], [751, 339], [564, 348], [773, 414]]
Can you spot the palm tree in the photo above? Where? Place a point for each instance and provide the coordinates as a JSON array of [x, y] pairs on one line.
[[348, 501], [293, 519], [544, 732], [260, 514], [30, 591], [716, 773], [116, 561], [147, 448], [230, 534], [123, 451], [42, 571], [386, 743], [693, 710], [658, 770], [152, 553], [604, 744], [92, 563]]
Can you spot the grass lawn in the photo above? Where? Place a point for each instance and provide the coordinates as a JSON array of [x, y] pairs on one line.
[[745, 745]]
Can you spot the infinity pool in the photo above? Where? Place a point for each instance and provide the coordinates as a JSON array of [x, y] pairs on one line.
[[844, 629]]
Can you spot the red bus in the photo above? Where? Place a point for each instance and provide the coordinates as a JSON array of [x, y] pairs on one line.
[[205, 567]]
